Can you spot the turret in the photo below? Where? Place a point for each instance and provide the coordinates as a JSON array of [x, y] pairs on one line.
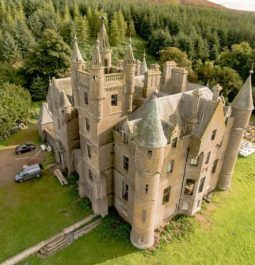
[[242, 107], [105, 49], [130, 68], [150, 141], [97, 81], [144, 67], [151, 80], [77, 65]]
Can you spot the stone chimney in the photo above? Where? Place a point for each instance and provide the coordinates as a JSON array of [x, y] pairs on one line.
[[179, 80], [216, 92]]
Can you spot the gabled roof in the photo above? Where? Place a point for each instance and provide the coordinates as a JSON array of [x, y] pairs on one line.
[[150, 133], [65, 101], [244, 100], [45, 116]]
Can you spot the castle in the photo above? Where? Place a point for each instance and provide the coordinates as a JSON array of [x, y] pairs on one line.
[[150, 144]]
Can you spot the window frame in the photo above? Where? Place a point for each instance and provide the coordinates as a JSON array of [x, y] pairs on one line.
[[174, 142], [86, 98], [89, 151], [166, 195], [213, 136], [125, 162], [87, 125], [125, 190], [208, 157], [171, 163], [201, 185], [215, 164], [192, 184], [114, 100]]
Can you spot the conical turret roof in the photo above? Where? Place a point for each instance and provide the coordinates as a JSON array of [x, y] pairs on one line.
[[150, 133], [96, 59], [103, 37], [76, 55], [129, 58], [144, 67], [244, 100]]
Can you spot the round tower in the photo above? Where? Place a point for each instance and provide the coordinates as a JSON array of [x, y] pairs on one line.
[[242, 107], [97, 82], [130, 68], [77, 65], [149, 156]]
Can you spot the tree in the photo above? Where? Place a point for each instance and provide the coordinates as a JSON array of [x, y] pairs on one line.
[[158, 40], [14, 107], [9, 49], [175, 54], [82, 29], [122, 25], [240, 57], [49, 57], [114, 32]]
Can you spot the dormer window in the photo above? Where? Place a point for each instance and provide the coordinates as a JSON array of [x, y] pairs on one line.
[[174, 142]]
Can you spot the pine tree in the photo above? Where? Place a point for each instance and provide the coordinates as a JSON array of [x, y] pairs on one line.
[[114, 32], [82, 29], [122, 24], [9, 48]]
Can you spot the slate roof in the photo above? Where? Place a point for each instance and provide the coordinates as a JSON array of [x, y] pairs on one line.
[[45, 116]]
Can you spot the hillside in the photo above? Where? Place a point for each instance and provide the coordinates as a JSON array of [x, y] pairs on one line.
[[204, 3]]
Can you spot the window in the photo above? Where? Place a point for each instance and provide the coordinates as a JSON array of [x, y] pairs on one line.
[[201, 185], [125, 138], [146, 189], [124, 191], [189, 187], [214, 167], [114, 100], [208, 157], [226, 121], [174, 142], [170, 166], [125, 162], [88, 151], [166, 195], [150, 154], [144, 213], [86, 98], [193, 161], [90, 175], [213, 134], [58, 124], [105, 62], [87, 125]]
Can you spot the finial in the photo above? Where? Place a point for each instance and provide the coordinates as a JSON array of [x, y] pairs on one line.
[[144, 54], [130, 41], [97, 42], [102, 19], [251, 71], [49, 80], [75, 38]]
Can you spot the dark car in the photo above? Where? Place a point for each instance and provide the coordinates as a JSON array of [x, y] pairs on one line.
[[24, 148]]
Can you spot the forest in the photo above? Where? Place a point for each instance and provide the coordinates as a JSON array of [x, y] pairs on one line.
[[36, 38]]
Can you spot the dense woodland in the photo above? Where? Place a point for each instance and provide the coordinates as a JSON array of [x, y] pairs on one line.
[[36, 37]]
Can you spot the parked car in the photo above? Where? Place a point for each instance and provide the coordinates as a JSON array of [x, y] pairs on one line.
[[29, 172], [24, 148]]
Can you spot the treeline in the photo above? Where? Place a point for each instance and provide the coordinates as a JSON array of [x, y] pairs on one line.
[[36, 37]]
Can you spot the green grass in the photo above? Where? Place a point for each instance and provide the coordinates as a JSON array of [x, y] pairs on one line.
[[36, 209], [227, 236], [28, 135]]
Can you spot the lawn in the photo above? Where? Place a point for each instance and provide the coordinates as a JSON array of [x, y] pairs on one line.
[[29, 135], [36, 209], [226, 234]]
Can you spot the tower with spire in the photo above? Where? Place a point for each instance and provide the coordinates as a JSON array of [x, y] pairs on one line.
[[152, 145], [242, 107]]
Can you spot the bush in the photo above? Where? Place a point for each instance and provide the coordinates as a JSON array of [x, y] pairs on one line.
[[15, 104]]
